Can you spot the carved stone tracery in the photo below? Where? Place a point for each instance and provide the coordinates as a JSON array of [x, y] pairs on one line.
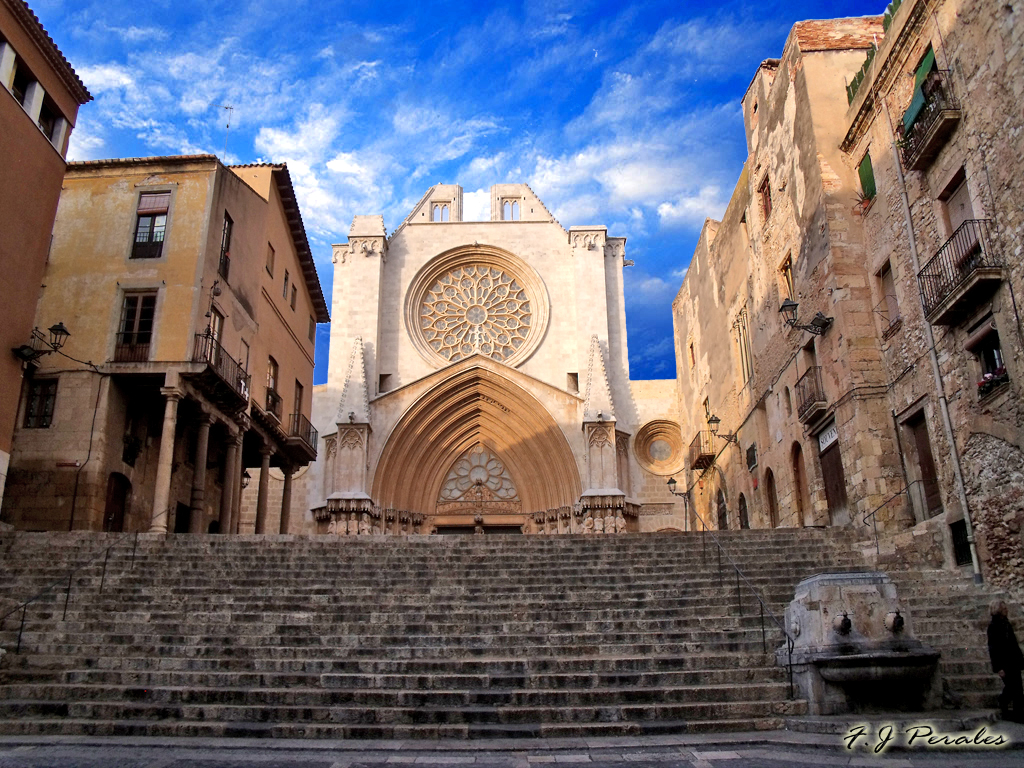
[[476, 309]]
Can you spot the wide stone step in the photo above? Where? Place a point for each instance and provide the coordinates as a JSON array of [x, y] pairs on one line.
[[255, 730], [435, 681], [426, 665], [397, 697], [98, 710]]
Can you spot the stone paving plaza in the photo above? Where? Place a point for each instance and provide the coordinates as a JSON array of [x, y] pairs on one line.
[[755, 750]]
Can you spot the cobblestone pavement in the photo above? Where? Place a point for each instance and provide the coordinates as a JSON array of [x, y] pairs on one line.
[[773, 751]]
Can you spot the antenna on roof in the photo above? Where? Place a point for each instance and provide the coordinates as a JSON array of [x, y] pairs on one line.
[[227, 128]]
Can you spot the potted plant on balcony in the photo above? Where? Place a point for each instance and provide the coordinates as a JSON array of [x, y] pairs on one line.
[[862, 203], [992, 380]]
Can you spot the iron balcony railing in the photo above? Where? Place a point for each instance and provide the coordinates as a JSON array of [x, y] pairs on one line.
[[888, 309], [147, 249], [274, 404], [938, 97], [702, 450], [208, 350], [302, 429], [809, 392], [132, 347], [965, 252]]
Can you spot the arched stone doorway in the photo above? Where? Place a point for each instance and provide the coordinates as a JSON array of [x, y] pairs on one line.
[[772, 497], [744, 517], [722, 511], [119, 490], [477, 450]]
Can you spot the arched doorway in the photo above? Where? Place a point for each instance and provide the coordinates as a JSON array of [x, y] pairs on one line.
[[477, 444], [772, 498], [119, 489], [801, 493], [742, 505], [723, 511]]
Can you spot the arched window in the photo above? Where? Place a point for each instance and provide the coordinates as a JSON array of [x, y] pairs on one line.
[[723, 512], [772, 497], [801, 494], [444, 213], [744, 519], [435, 213], [515, 211], [506, 211]]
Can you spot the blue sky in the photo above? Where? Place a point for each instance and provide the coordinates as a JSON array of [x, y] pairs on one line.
[[623, 114]]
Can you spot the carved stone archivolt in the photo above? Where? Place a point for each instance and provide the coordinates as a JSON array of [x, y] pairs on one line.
[[476, 300], [476, 403]]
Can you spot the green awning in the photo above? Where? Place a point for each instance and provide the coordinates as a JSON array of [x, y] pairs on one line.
[[926, 66], [916, 105], [867, 177]]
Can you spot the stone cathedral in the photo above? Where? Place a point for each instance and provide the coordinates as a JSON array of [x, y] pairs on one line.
[[479, 381]]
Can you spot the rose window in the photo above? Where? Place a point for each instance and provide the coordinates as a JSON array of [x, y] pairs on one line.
[[478, 467], [476, 309]]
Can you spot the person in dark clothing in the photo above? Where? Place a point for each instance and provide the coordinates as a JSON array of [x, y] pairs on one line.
[[1007, 661]]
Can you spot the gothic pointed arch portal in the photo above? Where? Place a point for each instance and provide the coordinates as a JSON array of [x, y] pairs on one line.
[[479, 424]]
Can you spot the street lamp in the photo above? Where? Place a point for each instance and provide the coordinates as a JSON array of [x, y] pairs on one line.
[[246, 477], [818, 325], [29, 353], [713, 422]]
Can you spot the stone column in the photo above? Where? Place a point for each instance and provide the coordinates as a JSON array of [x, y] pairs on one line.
[[227, 494], [261, 500], [236, 493], [162, 492], [199, 474], [286, 500]]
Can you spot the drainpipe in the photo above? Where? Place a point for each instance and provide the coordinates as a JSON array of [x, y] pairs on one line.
[[936, 372]]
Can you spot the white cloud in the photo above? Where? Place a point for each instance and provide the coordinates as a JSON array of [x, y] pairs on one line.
[[476, 206], [691, 210], [102, 78]]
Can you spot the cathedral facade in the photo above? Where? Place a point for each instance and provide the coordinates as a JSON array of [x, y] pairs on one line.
[[479, 381]]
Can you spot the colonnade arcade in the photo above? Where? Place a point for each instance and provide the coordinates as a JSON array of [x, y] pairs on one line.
[[224, 442]]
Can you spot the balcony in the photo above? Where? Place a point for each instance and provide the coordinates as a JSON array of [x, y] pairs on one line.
[[810, 395], [147, 249], [934, 122], [702, 450], [963, 273], [889, 311], [302, 439], [223, 380], [273, 404], [131, 347]]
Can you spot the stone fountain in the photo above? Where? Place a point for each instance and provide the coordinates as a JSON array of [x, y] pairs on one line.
[[854, 649]]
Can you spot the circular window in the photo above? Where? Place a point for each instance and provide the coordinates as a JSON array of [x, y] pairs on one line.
[[659, 447], [476, 300]]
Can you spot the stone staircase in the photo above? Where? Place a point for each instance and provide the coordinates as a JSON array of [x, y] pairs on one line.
[[421, 637]]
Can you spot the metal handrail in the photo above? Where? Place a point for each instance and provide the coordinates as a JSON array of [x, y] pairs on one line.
[[739, 600], [965, 251], [872, 514], [23, 606]]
